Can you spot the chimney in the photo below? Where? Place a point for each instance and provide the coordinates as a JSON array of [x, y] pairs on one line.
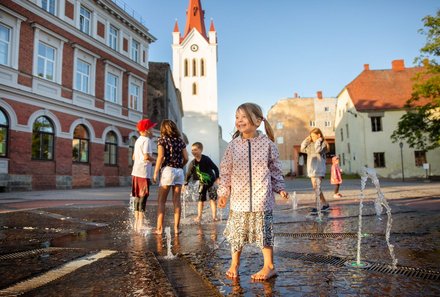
[[366, 66], [398, 65], [319, 94]]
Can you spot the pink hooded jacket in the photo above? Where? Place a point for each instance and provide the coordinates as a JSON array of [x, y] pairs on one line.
[[335, 173]]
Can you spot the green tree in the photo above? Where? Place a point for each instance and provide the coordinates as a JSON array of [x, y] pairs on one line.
[[420, 126]]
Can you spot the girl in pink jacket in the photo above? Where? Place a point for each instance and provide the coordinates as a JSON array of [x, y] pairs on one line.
[[336, 176], [250, 173]]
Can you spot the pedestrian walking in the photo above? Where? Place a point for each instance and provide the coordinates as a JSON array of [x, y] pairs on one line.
[[316, 149], [250, 173], [171, 157], [336, 176], [142, 170], [202, 169]]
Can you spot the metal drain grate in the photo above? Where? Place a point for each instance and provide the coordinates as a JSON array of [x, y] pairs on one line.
[[427, 274], [317, 235], [33, 252]]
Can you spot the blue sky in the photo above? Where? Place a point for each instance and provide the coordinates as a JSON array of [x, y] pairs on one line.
[[269, 50]]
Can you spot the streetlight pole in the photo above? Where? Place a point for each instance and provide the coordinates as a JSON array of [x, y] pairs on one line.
[[401, 160]]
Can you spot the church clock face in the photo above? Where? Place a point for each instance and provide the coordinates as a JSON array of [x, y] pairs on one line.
[[194, 47]]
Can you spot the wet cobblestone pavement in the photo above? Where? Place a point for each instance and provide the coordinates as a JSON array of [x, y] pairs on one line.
[[38, 237]]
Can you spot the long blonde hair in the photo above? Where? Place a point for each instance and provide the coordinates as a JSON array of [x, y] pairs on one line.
[[319, 132], [253, 113]]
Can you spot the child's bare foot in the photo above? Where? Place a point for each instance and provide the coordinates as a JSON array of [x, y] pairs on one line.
[[197, 220], [264, 274], [158, 232], [232, 272], [215, 219]]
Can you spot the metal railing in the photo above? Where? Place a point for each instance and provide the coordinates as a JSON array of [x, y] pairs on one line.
[[130, 11]]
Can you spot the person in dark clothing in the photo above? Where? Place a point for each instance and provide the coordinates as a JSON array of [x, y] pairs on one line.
[[206, 172]]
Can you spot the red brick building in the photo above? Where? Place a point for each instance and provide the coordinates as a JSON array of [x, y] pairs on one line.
[[73, 84]]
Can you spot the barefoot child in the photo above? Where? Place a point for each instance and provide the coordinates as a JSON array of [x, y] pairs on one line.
[[206, 172], [171, 157], [141, 173], [250, 173]]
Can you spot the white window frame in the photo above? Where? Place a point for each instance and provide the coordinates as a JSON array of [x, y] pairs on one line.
[[280, 140], [82, 79], [113, 40], [7, 44], [40, 2], [312, 123], [135, 52], [327, 123], [111, 90], [12, 20], [87, 20], [47, 62], [279, 125], [89, 58], [327, 109], [53, 40]]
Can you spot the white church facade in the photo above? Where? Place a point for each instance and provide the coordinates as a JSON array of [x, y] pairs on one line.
[[195, 75]]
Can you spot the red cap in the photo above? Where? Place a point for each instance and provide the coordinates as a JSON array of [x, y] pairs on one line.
[[145, 124]]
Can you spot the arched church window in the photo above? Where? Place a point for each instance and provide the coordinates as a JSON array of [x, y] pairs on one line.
[[194, 67], [202, 67], [186, 67], [194, 89], [4, 128]]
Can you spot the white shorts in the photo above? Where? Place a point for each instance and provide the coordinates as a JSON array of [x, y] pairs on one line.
[[171, 176]]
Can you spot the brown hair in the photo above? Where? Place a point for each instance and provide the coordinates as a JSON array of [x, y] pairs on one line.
[[253, 113], [169, 129], [319, 132], [199, 145]]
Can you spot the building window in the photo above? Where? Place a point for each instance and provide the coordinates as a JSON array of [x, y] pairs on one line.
[[326, 109], [348, 148], [42, 139], [194, 68], [327, 124], [312, 123], [4, 129], [186, 68], [134, 96], [343, 159], [420, 158], [342, 134], [82, 76], [131, 150], [111, 149], [111, 89], [194, 89], [280, 139], [46, 61], [279, 125], [135, 50], [5, 44], [113, 37], [376, 124], [202, 67], [49, 6], [80, 145], [379, 160], [85, 20], [346, 130]]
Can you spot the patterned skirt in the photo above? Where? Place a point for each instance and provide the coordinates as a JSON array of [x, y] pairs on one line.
[[249, 227]]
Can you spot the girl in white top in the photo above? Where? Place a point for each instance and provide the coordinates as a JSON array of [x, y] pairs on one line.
[[142, 168], [250, 173]]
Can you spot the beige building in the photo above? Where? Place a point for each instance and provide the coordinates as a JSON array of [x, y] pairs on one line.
[[292, 120], [368, 111]]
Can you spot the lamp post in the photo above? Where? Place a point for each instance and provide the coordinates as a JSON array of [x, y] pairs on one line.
[[401, 160]]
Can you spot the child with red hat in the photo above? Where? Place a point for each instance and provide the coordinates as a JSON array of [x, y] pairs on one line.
[[142, 170]]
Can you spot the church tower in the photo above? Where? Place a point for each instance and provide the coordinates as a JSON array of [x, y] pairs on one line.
[[195, 75]]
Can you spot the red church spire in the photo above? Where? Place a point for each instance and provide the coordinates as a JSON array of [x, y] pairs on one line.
[[211, 28], [195, 18], [176, 27]]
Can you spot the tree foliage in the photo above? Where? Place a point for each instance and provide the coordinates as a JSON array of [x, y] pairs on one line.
[[420, 126]]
